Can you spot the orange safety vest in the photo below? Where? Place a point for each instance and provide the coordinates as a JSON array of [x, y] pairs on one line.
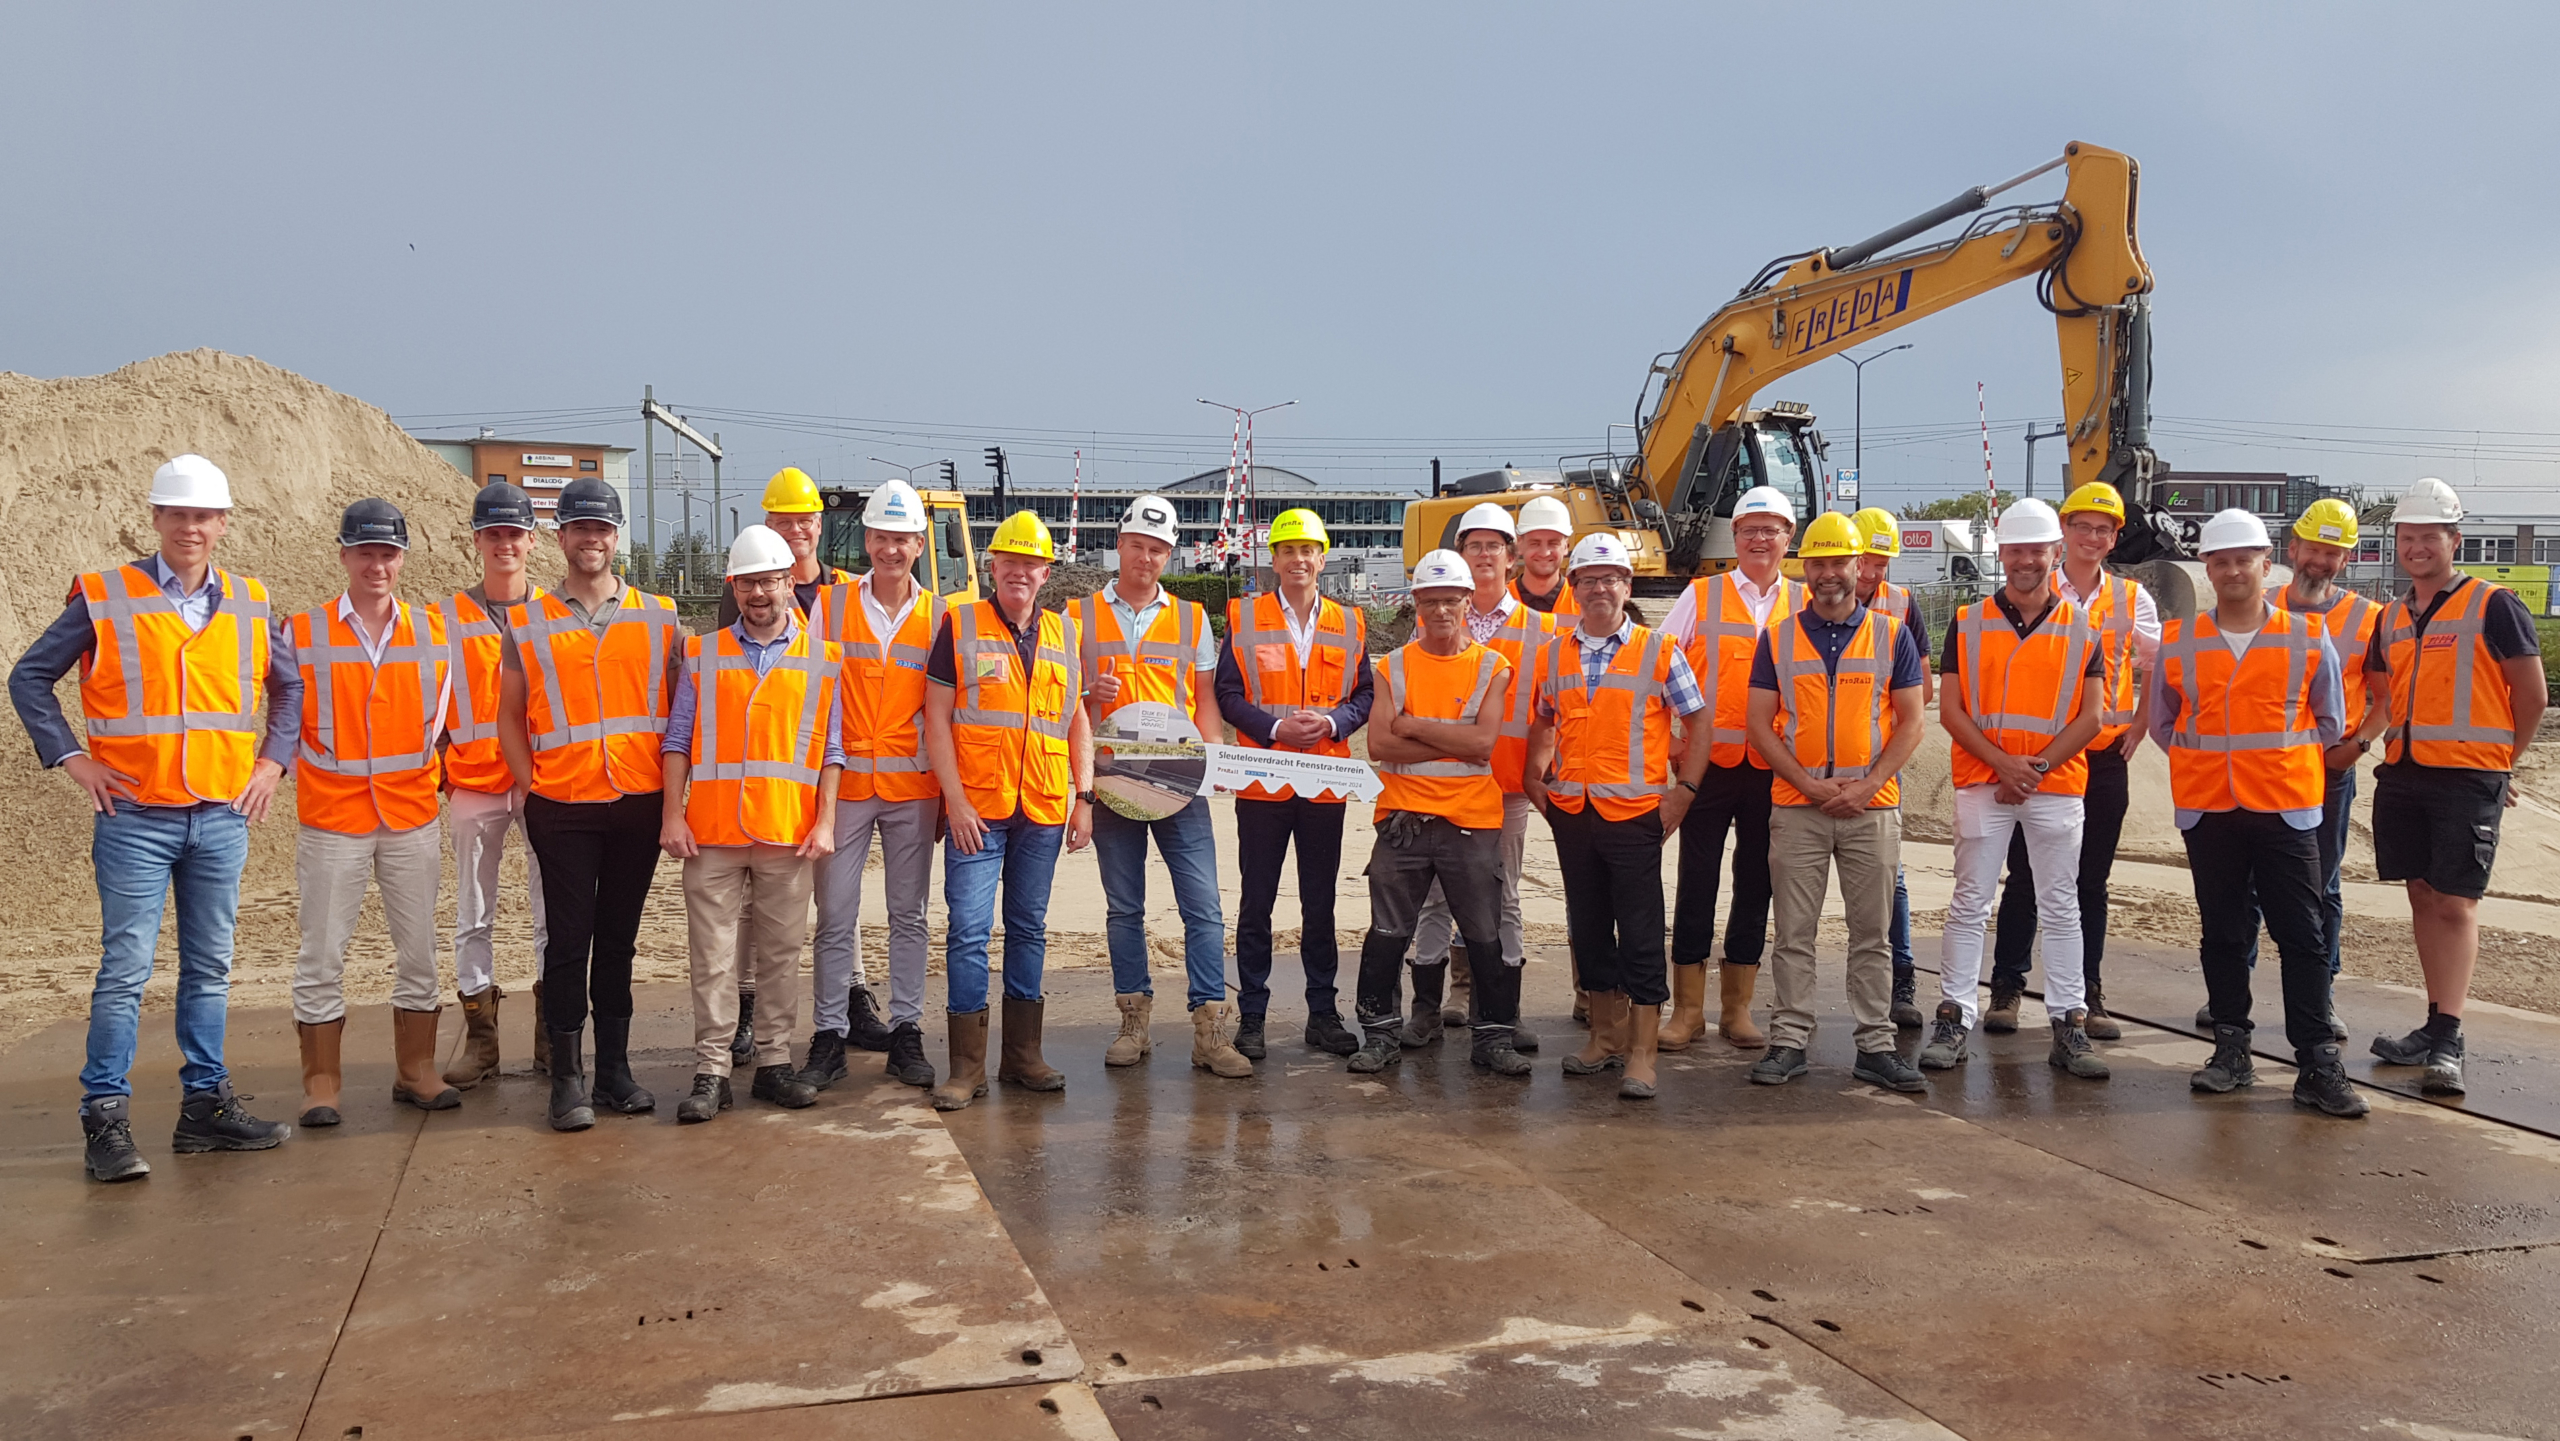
[[1836, 721], [2022, 692], [2348, 623], [1442, 688], [472, 759], [1267, 659], [1613, 741], [759, 741], [2449, 702], [595, 706], [177, 712], [2110, 613], [368, 757], [1891, 600], [1008, 734], [1567, 606], [1523, 642], [883, 695], [1722, 639], [2245, 737], [1162, 665]]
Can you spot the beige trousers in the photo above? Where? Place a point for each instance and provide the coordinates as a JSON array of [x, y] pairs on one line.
[[331, 871], [745, 900], [1804, 847]]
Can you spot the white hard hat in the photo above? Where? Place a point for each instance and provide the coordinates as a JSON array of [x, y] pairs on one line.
[[193, 481], [1487, 516], [1443, 570], [757, 550], [1600, 548], [1545, 512], [2029, 522], [1152, 515], [2429, 502], [894, 506], [1765, 500], [2233, 530]]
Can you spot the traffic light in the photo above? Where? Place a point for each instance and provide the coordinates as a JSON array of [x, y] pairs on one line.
[[995, 462], [950, 476]]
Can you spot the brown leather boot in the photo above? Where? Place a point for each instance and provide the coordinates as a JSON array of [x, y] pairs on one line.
[[1581, 1007], [1135, 1042], [479, 1058], [541, 1034], [1211, 1048], [1607, 1046], [968, 1078], [1735, 1020], [1643, 1039], [1688, 1019], [1022, 1065], [1458, 1007], [320, 1070], [413, 1044]]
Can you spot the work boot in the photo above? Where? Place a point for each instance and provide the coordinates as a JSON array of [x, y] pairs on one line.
[[1249, 1041], [1134, 1043], [1906, 1002], [2100, 1025], [1211, 1050], [906, 1055], [1523, 1040], [710, 1097], [320, 1070], [968, 1063], [1460, 1008], [1495, 1052], [413, 1048], [1611, 1020], [2231, 1067], [2413, 1048], [2205, 1022], [1021, 1064], [826, 1061], [107, 1126], [214, 1121], [1380, 1048], [782, 1085], [2322, 1083], [1325, 1032], [2001, 1017], [1582, 1007], [571, 1108], [1734, 1021], [479, 1058], [1688, 1019], [742, 1045], [2071, 1049], [1781, 1065], [614, 1087], [1889, 1070], [2444, 1067], [2337, 1028], [1422, 1028], [1945, 1050], [868, 1030], [1643, 1030], [541, 1035]]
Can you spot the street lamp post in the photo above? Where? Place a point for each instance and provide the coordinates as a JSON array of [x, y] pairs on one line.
[[1244, 423], [2034, 435], [1858, 432]]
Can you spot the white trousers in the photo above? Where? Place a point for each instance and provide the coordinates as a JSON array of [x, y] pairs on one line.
[[331, 870], [2053, 824], [905, 829], [1435, 930], [480, 823]]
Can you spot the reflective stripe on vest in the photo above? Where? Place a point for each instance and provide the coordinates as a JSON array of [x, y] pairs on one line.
[[2449, 702], [883, 704], [2111, 613], [1721, 641], [1869, 653], [473, 760], [1011, 731], [373, 788], [1152, 667], [1391, 674], [2023, 720], [179, 712], [1637, 786], [2218, 761], [1267, 661], [577, 759], [1522, 640], [1461, 792], [752, 782]]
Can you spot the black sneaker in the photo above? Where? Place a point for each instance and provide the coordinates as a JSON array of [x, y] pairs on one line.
[[2323, 1084], [2204, 1018], [1325, 1032], [2231, 1067], [867, 1030], [2444, 1067], [1496, 1050], [906, 1055], [213, 1121], [780, 1085], [1781, 1065], [1906, 1002], [112, 1156], [1248, 1041], [826, 1060], [1380, 1050], [2411, 1049], [1945, 1050], [710, 1097], [1889, 1070], [742, 1046]]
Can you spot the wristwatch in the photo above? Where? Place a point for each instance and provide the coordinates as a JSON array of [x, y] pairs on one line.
[[1085, 796], [1693, 787], [2039, 764]]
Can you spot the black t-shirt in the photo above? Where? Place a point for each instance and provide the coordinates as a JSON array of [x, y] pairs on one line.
[[2505, 624], [1546, 603], [2024, 625]]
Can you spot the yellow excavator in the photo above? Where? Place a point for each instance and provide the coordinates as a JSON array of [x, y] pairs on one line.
[[1705, 441]]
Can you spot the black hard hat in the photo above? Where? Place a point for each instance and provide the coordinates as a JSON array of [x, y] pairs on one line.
[[499, 503], [587, 499], [371, 521]]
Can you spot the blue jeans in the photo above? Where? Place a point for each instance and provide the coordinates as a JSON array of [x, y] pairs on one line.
[[1022, 857], [1190, 849], [139, 852], [1901, 928]]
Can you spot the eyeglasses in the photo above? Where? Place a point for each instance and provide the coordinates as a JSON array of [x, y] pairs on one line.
[[1614, 580], [761, 584]]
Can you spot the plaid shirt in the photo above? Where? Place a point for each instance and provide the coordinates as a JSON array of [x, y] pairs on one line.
[[1680, 692]]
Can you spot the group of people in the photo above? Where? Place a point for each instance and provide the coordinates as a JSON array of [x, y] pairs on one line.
[[827, 710]]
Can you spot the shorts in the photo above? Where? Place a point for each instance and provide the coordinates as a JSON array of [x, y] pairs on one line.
[[2438, 826]]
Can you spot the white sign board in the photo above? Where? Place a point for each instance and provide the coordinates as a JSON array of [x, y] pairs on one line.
[[561, 461], [1232, 768], [1845, 483]]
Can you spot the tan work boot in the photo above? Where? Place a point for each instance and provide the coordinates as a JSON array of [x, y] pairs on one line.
[[1735, 1021], [479, 1056], [1688, 1019], [320, 1070], [1022, 1065], [1607, 1046], [541, 1035], [1458, 1008], [1134, 1043], [968, 1078], [413, 1045], [1211, 1048], [1642, 1040], [1581, 1006]]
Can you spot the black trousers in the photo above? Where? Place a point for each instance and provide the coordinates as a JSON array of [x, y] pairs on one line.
[[1734, 798], [1264, 830], [2013, 949], [2233, 855], [1413, 851], [1613, 898], [597, 862]]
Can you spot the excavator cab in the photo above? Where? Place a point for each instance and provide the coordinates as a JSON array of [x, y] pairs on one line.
[[1776, 447]]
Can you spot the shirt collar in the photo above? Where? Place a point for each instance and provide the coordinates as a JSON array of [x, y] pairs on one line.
[[790, 632], [1756, 593], [164, 577], [1151, 603], [1625, 632], [1505, 606]]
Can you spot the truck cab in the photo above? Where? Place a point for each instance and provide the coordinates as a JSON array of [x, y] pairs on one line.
[[949, 565]]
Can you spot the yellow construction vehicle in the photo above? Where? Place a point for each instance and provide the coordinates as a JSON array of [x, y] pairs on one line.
[[948, 567], [1704, 441]]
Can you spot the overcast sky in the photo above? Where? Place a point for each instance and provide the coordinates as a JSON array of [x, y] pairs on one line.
[[1459, 230]]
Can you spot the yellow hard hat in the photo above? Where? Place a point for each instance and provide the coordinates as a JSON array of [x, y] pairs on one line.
[[1831, 533], [1880, 530], [2099, 496], [1299, 525], [1023, 534], [2330, 522], [792, 492]]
